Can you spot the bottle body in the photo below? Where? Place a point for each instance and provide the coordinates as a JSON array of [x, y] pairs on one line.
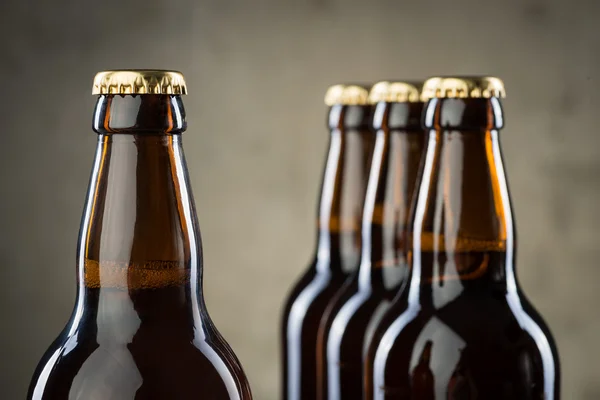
[[462, 328], [480, 345], [338, 247], [355, 311], [139, 329], [303, 310]]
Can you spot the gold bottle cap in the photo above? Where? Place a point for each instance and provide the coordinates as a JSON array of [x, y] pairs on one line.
[[347, 95], [396, 92], [463, 87], [139, 81]]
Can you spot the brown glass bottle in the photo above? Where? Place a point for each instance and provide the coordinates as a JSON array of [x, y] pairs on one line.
[[338, 244], [467, 331], [140, 329], [356, 309]]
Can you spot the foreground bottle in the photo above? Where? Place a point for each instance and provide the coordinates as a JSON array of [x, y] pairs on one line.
[[338, 245], [140, 329], [355, 311], [467, 331]]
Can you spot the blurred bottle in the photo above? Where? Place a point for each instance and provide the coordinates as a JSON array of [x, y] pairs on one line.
[[140, 329], [463, 306], [357, 307], [338, 245]]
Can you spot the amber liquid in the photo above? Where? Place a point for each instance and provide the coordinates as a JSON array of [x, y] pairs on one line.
[[468, 339]]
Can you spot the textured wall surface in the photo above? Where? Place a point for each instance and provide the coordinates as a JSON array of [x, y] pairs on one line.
[[257, 72]]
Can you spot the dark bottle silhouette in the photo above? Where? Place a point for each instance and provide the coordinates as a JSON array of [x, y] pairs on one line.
[[140, 329], [354, 312], [461, 385], [338, 245], [422, 379], [462, 293]]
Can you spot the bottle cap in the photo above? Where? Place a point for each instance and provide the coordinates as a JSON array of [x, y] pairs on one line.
[[139, 81], [463, 87], [396, 92], [347, 95]]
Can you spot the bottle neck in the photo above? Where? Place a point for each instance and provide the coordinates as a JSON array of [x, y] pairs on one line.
[[139, 249], [343, 189], [139, 114], [398, 148], [463, 235]]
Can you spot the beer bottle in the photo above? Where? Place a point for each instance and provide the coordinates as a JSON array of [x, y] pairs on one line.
[[463, 308], [354, 312], [338, 243], [139, 329]]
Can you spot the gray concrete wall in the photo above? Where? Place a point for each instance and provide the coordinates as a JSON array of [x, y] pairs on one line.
[[257, 72]]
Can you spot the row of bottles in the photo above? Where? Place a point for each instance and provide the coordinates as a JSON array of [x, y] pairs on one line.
[[412, 292]]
